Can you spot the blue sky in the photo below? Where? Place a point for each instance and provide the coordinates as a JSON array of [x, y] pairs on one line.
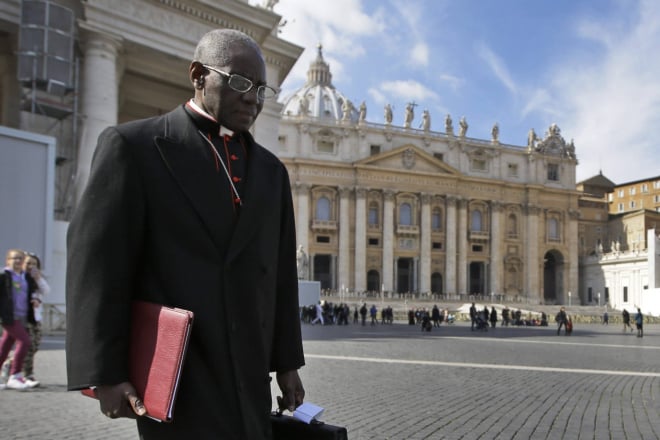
[[592, 67]]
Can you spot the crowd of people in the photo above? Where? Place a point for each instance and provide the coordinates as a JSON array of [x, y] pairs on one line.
[[22, 287]]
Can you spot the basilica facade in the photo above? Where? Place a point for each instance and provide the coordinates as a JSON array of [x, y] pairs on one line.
[[393, 209]]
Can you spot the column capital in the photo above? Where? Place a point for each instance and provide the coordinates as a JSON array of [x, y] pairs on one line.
[[451, 201], [302, 187], [532, 210], [496, 206], [96, 39], [388, 194], [361, 192], [345, 191], [426, 198]]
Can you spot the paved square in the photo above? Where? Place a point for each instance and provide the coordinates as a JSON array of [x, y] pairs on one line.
[[395, 382]]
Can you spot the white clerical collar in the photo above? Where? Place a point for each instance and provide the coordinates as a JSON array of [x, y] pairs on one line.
[[224, 131]]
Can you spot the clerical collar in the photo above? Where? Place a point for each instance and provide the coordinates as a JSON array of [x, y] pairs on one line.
[[206, 121]]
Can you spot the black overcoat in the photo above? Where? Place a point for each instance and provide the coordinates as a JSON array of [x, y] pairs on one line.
[[156, 222]]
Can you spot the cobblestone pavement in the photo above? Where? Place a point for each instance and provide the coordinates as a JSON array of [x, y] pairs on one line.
[[395, 382]]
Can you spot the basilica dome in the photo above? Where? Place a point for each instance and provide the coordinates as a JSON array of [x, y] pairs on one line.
[[318, 98]]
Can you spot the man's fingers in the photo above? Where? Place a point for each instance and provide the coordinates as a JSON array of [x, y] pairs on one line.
[[137, 405]]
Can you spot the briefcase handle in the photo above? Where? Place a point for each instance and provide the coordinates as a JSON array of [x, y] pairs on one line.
[[278, 413]]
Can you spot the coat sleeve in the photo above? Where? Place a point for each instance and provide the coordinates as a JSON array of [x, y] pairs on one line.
[[103, 243], [287, 351]]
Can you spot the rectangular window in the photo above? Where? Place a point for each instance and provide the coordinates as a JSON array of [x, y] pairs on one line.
[[607, 295], [590, 295], [632, 204], [436, 246], [513, 170], [477, 248], [373, 241], [621, 194], [610, 197], [478, 165], [375, 149], [625, 294], [632, 190], [439, 156], [324, 146], [553, 172], [323, 239], [620, 207], [645, 187]]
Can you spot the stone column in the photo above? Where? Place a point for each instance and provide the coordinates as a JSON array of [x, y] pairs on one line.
[[99, 96], [573, 255], [532, 264], [496, 263], [462, 246], [388, 240], [450, 247], [425, 246], [361, 240], [344, 238], [302, 216]]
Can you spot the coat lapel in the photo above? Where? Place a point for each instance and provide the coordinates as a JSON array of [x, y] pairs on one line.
[[186, 156]]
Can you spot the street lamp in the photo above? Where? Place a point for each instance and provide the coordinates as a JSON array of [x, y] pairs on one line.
[[569, 298], [598, 299]]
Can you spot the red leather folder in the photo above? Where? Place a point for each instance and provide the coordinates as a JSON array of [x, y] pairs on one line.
[[159, 340]]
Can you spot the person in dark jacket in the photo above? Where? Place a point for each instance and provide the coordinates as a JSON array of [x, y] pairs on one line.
[[188, 210], [562, 320], [16, 311]]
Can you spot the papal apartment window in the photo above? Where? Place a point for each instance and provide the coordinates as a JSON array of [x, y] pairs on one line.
[[645, 187], [632, 204], [553, 172], [656, 199], [620, 207], [622, 194], [632, 191], [610, 197], [656, 184]]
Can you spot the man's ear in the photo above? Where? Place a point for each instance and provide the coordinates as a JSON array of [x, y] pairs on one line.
[[197, 73]]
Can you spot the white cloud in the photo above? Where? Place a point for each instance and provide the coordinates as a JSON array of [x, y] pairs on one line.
[[408, 90], [419, 55], [497, 65], [454, 82], [612, 107]]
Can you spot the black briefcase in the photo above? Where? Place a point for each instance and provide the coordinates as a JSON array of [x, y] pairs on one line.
[[288, 428]]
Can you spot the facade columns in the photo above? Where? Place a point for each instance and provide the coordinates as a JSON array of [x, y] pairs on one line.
[[360, 240], [425, 246], [344, 238], [573, 256], [302, 216], [532, 254], [100, 93], [496, 263], [388, 240], [462, 245], [450, 246]]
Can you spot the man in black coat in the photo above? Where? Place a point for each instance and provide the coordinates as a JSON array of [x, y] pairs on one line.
[[187, 210]]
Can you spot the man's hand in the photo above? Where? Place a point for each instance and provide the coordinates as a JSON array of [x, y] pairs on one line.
[[292, 390], [120, 400]]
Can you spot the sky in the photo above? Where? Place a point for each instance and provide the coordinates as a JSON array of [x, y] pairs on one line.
[[590, 66]]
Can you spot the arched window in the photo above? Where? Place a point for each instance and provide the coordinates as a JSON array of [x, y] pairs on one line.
[[323, 209], [436, 220], [373, 214], [553, 229], [476, 221], [405, 214]]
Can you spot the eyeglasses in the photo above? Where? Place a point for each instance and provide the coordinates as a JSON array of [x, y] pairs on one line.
[[243, 85]]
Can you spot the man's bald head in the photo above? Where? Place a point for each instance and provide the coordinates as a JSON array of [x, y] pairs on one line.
[[215, 47]]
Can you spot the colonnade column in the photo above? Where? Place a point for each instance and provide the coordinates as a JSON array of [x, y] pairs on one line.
[[302, 216], [388, 240], [531, 269], [344, 238], [450, 247], [361, 240], [462, 246], [496, 264], [425, 246], [100, 92]]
